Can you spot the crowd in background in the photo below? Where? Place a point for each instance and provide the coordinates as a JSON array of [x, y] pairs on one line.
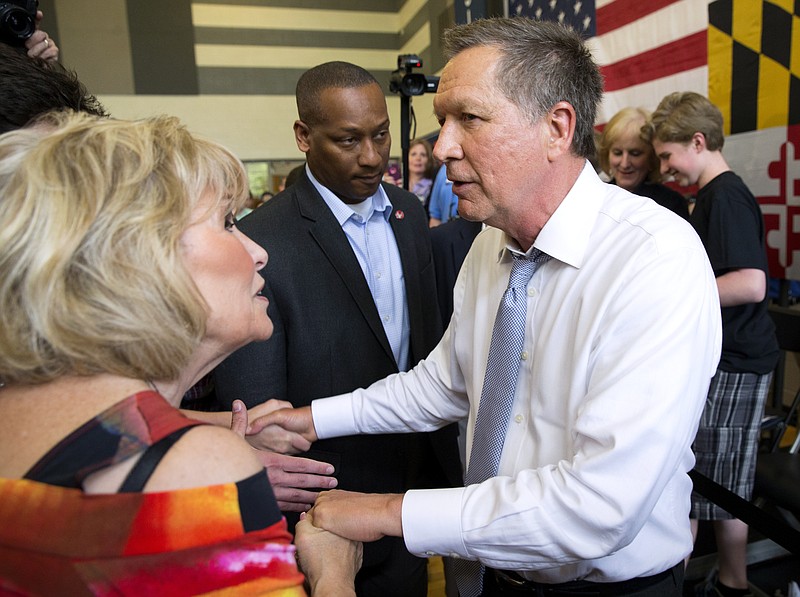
[[353, 323]]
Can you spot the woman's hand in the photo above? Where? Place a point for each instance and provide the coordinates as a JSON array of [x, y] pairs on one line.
[[329, 562], [278, 427]]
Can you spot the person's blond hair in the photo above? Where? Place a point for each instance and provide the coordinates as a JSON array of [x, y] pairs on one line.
[[91, 275], [628, 121]]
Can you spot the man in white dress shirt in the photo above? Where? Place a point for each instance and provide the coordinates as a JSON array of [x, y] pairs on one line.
[[622, 336]]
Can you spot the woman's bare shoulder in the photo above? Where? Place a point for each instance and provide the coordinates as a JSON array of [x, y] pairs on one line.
[[205, 455]]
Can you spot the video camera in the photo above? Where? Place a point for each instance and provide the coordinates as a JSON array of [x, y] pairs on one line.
[[408, 83], [17, 21]]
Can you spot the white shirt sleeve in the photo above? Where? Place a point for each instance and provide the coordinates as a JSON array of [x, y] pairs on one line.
[[623, 334]]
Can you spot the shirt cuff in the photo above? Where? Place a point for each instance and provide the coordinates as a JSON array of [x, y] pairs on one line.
[[432, 522], [333, 417]]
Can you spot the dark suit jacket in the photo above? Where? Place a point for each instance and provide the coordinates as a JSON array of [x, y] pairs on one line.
[[450, 243], [329, 339]]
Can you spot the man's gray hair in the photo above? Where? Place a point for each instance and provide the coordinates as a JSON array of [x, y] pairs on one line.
[[542, 63]]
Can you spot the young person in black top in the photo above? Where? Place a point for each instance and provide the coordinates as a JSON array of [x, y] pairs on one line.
[[686, 132]]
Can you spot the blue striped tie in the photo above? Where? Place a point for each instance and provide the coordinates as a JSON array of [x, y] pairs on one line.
[[497, 397]]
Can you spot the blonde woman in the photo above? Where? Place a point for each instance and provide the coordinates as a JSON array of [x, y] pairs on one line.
[[630, 161], [123, 280]]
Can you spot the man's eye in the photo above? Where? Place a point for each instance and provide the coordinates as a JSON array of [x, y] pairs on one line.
[[230, 221]]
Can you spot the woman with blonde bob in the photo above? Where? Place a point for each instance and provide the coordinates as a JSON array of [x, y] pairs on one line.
[[123, 280], [629, 160]]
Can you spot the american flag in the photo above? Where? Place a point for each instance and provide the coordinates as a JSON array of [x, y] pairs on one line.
[[649, 48], [576, 13], [646, 49]]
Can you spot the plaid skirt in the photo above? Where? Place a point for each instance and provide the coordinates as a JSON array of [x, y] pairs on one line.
[[726, 444]]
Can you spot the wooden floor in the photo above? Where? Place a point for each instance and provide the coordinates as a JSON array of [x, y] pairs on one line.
[[435, 577]]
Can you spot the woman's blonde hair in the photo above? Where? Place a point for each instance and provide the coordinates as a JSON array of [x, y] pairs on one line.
[[91, 275], [628, 121]]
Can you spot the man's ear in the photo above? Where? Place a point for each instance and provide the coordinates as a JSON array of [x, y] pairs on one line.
[[301, 135], [561, 127]]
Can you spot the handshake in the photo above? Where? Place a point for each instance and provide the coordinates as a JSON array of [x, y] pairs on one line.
[[278, 431]]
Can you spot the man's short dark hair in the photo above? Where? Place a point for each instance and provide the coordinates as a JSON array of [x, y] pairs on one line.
[[30, 87], [313, 82]]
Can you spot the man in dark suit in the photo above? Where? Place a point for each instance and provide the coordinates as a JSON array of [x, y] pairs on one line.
[[450, 243], [350, 282]]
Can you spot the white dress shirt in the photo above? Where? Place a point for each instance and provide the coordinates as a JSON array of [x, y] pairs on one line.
[[623, 335]]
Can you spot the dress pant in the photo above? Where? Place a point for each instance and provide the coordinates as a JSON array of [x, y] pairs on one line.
[[399, 575]]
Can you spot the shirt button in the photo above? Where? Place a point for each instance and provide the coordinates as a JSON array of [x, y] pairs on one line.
[[430, 553], [524, 355], [386, 318], [531, 291], [518, 418], [378, 275]]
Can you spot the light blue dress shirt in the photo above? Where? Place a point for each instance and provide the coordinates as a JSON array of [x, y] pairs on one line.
[[443, 203], [367, 228]]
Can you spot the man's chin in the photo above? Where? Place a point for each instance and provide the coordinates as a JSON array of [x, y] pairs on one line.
[[355, 199], [467, 210]]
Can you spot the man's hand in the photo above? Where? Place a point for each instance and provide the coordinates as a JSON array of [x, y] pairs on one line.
[[291, 477], [329, 562], [359, 516], [39, 45], [273, 437], [291, 424]]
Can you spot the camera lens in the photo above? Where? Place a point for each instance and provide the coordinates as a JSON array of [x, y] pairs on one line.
[[414, 84], [17, 23]]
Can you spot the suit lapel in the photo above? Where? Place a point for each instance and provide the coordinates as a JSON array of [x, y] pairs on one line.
[[328, 234], [407, 245]]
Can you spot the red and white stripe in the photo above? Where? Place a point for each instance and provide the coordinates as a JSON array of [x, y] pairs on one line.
[[649, 49]]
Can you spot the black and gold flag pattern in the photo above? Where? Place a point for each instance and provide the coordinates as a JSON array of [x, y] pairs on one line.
[[754, 62]]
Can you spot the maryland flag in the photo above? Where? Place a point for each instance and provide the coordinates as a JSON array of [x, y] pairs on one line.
[[754, 78], [743, 54], [754, 63]]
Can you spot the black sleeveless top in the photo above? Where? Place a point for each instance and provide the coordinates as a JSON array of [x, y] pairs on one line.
[[143, 422]]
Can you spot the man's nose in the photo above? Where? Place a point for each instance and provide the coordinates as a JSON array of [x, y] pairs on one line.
[[369, 156], [447, 145]]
